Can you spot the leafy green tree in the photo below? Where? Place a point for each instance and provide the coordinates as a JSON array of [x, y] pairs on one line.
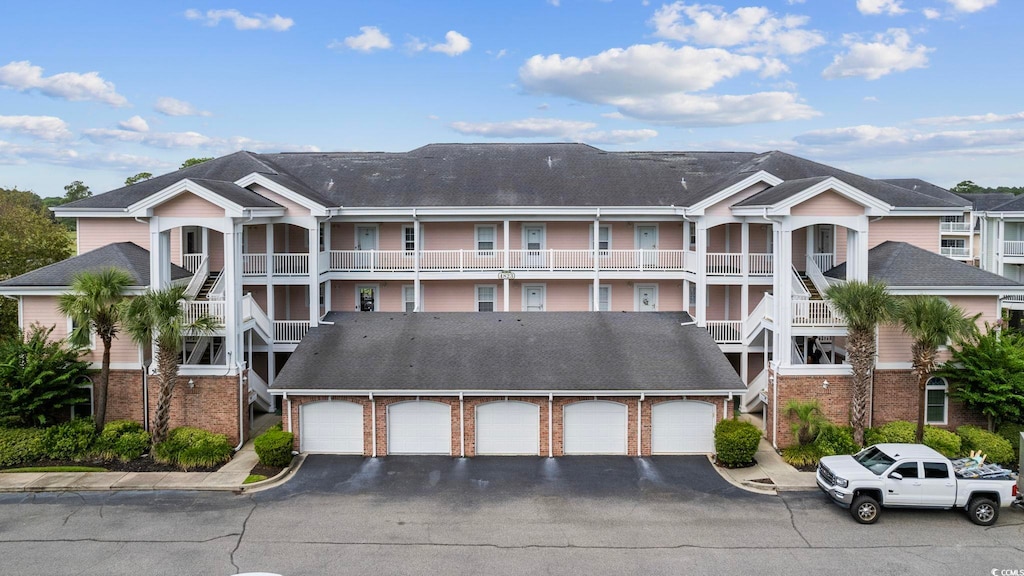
[[194, 161], [29, 238], [988, 375], [965, 187], [137, 178], [864, 305], [157, 317], [39, 377], [932, 322], [94, 303], [76, 191]]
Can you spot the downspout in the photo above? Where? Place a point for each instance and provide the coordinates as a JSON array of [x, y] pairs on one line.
[[551, 432], [289, 401], [373, 425], [775, 405], [242, 401], [462, 427], [639, 426]]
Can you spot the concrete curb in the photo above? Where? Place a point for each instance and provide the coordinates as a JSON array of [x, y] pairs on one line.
[[282, 477], [752, 487]]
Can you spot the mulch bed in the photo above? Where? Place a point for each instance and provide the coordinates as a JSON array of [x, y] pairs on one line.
[[747, 465], [268, 471], [142, 464]]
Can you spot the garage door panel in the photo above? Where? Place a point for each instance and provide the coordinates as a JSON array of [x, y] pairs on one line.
[[595, 427], [683, 427], [508, 428], [420, 428], [332, 427]]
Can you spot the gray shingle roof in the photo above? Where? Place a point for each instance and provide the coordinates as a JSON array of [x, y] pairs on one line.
[[508, 351], [900, 264], [1013, 204], [126, 255], [781, 192], [987, 200], [230, 191]]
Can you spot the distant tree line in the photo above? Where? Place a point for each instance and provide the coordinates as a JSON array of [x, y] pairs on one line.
[[969, 187]]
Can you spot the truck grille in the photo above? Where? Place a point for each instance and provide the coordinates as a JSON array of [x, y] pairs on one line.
[[826, 475]]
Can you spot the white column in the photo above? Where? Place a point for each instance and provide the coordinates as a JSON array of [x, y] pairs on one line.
[[700, 306], [852, 256], [596, 295], [686, 297], [505, 283], [314, 272], [745, 272], [206, 242], [159, 255], [327, 247], [417, 230], [233, 292], [809, 232], [270, 252], [783, 288]]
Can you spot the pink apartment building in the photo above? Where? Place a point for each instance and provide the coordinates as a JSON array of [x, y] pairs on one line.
[[540, 299]]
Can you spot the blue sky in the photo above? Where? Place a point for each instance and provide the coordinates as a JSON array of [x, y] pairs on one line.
[[885, 88]]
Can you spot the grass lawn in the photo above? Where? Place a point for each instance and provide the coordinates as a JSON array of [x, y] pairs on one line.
[[254, 478], [57, 469]]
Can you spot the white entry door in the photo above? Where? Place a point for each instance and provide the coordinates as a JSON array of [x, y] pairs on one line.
[[331, 427], [647, 243], [508, 428], [533, 298], [366, 240], [533, 240], [419, 428], [595, 427], [646, 297], [682, 427]]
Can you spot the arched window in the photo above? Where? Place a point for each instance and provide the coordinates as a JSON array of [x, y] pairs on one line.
[[936, 403]]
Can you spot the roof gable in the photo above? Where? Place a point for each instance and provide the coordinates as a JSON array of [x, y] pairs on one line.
[[227, 196], [782, 199], [902, 265]]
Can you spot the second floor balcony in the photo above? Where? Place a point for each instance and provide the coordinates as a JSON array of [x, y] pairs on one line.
[[539, 260]]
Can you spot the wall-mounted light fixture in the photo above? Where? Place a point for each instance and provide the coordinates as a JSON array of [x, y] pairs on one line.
[[824, 384], [191, 384]]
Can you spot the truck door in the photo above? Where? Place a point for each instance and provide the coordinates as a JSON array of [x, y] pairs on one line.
[[905, 490], [938, 487]]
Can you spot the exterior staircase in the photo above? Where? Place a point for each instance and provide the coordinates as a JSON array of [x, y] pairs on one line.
[[809, 285], [207, 287]]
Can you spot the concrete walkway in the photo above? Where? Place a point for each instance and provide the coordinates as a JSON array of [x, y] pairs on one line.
[[228, 478], [770, 475]]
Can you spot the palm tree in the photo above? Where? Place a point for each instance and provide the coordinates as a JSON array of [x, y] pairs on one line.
[[932, 322], [864, 305], [157, 317], [807, 420], [94, 305]]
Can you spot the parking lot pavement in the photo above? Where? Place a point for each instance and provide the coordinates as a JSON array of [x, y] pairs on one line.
[[496, 477]]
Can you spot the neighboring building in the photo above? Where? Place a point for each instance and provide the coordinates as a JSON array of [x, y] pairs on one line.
[[1000, 238], [287, 248]]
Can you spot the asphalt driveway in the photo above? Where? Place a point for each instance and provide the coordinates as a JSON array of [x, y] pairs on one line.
[[678, 477]]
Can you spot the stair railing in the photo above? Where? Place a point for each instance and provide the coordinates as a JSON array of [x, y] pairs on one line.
[[198, 278]]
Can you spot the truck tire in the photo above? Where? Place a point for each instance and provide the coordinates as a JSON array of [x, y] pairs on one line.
[[983, 511], [865, 509]]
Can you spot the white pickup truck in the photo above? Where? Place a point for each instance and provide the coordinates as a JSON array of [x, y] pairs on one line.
[[910, 476]]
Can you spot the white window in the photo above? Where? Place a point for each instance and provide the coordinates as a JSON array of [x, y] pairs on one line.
[[958, 218], [485, 236], [936, 401], [485, 298], [323, 296], [84, 392], [409, 239], [953, 243], [693, 295], [604, 237], [323, 236], [693, 235], [409, 298], [604, 298], [72, 326]]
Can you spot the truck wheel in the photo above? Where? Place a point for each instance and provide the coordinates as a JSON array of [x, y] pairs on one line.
[[983, 511], [865, 509]]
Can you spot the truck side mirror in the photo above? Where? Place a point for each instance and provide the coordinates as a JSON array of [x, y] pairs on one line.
[[896, 476]]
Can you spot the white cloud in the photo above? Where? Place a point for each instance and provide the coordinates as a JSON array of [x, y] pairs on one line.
[[21, 154], [931, 13], [174, 140], [173, 107], [871, 98], [574, 130], [498, 55], [41, 127], [23, 77], [370, 38], [989, 118], [889, 52], [971, 5], [872, 7], [879, 141], [614, 115], [717, 110], [453, 45], [277, 23], [134, 124], [414, 44], [543, 106], [555, 3], [750, 29], [619, 136]]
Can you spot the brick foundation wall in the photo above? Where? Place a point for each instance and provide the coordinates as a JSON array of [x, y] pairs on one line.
[[470, 405], [895, 397], [211, 405]]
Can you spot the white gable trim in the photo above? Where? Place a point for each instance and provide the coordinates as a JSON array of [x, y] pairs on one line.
[[315, 208], [759, 177], [145, 206], [873, 206]]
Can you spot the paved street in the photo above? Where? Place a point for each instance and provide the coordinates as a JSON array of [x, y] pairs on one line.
[[426, 515]]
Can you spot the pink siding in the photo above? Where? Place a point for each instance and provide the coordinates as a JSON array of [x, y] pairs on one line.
[[291, 208], [799, 240], [894, 345], [290, 302], [840, 239], [188, 205], [922, 231], [756, 295], [43, 310], [216, 250], [569, 236], [256, 239], [828, 203], [715, 309], [759, 234], [343, 236], [94, 233], [724, 208], [176, 247]]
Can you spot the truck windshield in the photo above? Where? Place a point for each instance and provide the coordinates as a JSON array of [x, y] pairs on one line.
[[875, 460]]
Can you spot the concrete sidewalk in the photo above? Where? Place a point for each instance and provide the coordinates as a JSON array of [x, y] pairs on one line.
[[770, 475], [228, 478]]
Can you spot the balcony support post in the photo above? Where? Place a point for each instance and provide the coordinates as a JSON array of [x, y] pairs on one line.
[[313, 285], [783, 289], [417, 231], [506, 255], [233, 292], [269, 271], [595, 294], [700, 306], [745, 275]]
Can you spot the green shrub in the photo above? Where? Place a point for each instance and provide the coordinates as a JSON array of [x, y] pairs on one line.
[[274, 447], [802, 456], [123, 440], [39, 378], [900, 431], [189, 448], [71, 440], [20, 445], [942, 441], [1011, 431], [736, 442], [996, 448], [834, 440]]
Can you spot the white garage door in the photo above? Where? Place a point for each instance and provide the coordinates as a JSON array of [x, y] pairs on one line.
[[419, 428], [594, 427], [508, 428], [682, 427], [331, 427]]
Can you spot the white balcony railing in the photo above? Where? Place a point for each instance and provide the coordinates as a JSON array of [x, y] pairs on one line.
[[199, 275], [955, 227], [816, 313], [762, 264], [195, 309], [1013, 248], [254, 264], [726, 331], [281, 264], [728, 264], [550, 260], [955, 251], [290, 331], [251, 310], [825, 261], [191, 262]]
